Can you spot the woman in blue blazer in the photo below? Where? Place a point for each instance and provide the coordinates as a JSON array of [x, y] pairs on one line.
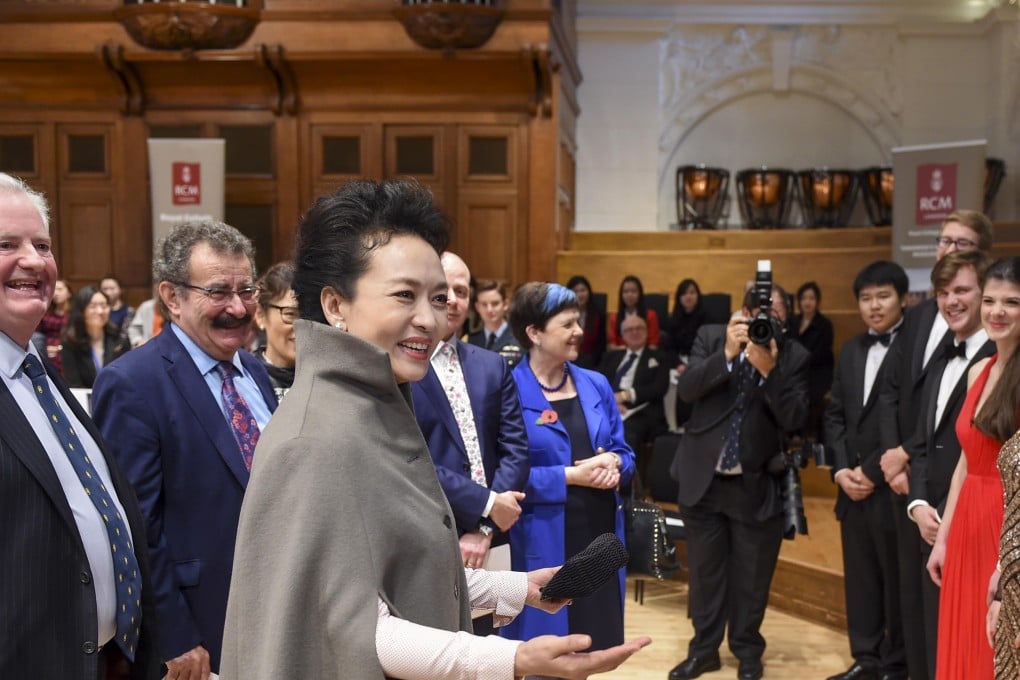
[[579, 460]]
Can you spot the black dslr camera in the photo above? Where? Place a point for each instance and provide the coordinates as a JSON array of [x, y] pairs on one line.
[[787, 466], [764, 326]]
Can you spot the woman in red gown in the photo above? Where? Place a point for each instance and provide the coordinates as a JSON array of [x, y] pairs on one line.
[[966, 548]]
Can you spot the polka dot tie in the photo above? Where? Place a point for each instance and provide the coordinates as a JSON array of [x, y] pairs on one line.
[[242, 422], [125, 567], [460, 404], [745, 379]]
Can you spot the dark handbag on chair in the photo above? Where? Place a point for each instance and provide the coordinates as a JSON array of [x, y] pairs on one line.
[[651, 549]]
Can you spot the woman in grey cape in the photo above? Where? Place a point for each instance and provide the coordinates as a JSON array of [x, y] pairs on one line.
[[347, 563]]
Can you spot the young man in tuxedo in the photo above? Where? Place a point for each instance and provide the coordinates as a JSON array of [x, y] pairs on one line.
[[468, 410], [924, 330], [639, 376], [745, 398], [934, 449], [495, 335], [76, 598], [863, 505]]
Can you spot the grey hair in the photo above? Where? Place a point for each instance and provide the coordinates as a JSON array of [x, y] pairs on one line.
[[173, 253], [10, 184]]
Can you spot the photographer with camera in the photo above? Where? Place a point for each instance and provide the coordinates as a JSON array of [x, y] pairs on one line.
[[863, 506], [747, 388]]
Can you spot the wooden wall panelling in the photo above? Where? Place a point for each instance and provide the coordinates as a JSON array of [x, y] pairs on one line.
[[325, 175], [486, 235], [132, 235], [85, 233], [414, 163], [288, 186]]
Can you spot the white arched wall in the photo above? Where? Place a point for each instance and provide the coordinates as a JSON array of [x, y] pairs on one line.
[[746, 123]]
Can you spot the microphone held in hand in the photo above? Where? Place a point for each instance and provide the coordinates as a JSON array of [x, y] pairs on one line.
[[585, 572]]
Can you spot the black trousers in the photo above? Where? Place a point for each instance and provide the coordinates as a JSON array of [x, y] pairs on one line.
[[874, 622], [930, 604], [731, 558], [908, 552]]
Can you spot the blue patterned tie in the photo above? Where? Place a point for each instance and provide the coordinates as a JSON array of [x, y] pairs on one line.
[[624, 367], [745, 379], [242, 422], [125, 566]]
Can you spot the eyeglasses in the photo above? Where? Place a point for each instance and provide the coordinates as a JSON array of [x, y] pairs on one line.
[[221, 296], [288, 314], [960, 243]]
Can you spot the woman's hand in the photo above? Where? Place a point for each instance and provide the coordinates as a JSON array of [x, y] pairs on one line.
[[992, 622], [537, 580], [563, 657], [601, 471], [936, 561]]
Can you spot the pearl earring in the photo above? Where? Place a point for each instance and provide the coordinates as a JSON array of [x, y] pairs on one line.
[[339, 325]]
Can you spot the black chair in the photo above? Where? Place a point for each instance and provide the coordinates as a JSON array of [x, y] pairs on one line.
[[717, 307], [659, 303]]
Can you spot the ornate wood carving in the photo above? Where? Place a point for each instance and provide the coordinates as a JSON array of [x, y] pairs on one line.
[[132, 100], [271, 58], [449, 26], [188, 25]]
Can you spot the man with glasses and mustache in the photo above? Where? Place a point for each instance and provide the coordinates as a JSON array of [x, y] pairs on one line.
[[924, 331], [182, 415]]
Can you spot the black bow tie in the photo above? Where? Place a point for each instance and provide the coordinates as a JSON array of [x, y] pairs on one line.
[[952, 351], [884, 338]]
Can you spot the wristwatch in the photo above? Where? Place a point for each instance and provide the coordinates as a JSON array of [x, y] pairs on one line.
[[486, 530]]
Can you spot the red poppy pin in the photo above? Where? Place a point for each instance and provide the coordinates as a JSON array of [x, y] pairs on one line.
[[548, 417]]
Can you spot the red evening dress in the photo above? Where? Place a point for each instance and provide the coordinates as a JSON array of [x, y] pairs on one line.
[[972, 550]]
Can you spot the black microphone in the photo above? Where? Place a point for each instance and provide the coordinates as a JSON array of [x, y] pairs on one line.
[[585, 572]]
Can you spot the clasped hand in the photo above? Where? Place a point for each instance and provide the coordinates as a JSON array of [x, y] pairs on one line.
[[598, 472]]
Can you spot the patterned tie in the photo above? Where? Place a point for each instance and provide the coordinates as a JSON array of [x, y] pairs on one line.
[[125, 565], [745, 379], [624, 367], [242, 422], [460, 404]]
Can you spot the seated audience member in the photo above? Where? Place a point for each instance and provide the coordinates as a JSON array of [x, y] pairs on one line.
[[76, 600], [52, 324], [275, 316], [814, 331], [495, 334], [631, 302], [120, 312], [90, 341], [328, 582], [864, 503], [639, 376], [146, 323], [687, 318], [593, 323]]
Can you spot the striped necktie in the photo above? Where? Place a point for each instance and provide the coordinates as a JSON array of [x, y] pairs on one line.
[[125, 565]]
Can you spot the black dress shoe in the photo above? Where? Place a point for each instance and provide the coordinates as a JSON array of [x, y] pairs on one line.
[[693, 666], [856, 672], [750, 670], [893, 676]]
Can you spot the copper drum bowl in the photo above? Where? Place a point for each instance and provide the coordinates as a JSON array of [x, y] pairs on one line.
[[878, 184], [995, 171], [701, 195], [827, 196], [766, 196]]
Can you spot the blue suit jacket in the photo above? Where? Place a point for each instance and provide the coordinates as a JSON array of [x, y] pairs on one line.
[[538, 536], [170, 438], [501, 435]]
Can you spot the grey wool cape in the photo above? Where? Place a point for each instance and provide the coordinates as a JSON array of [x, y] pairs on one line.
[[343, 507]]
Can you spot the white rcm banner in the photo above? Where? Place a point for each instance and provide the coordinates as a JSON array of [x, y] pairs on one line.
[[187, 182], [932, 182]]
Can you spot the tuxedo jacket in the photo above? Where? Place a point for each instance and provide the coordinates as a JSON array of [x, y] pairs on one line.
[[170, 437], [852, 425], [934, 449], [651, 379], [900, 387], [501, 435], [775, 406], [48, 620]]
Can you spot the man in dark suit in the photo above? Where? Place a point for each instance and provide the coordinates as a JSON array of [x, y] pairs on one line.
[[491, 305], [182, 415], [933, 448], [468, 410], [863, 504], [745, 397], [639, 376], [924, 331], [73, 538]]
